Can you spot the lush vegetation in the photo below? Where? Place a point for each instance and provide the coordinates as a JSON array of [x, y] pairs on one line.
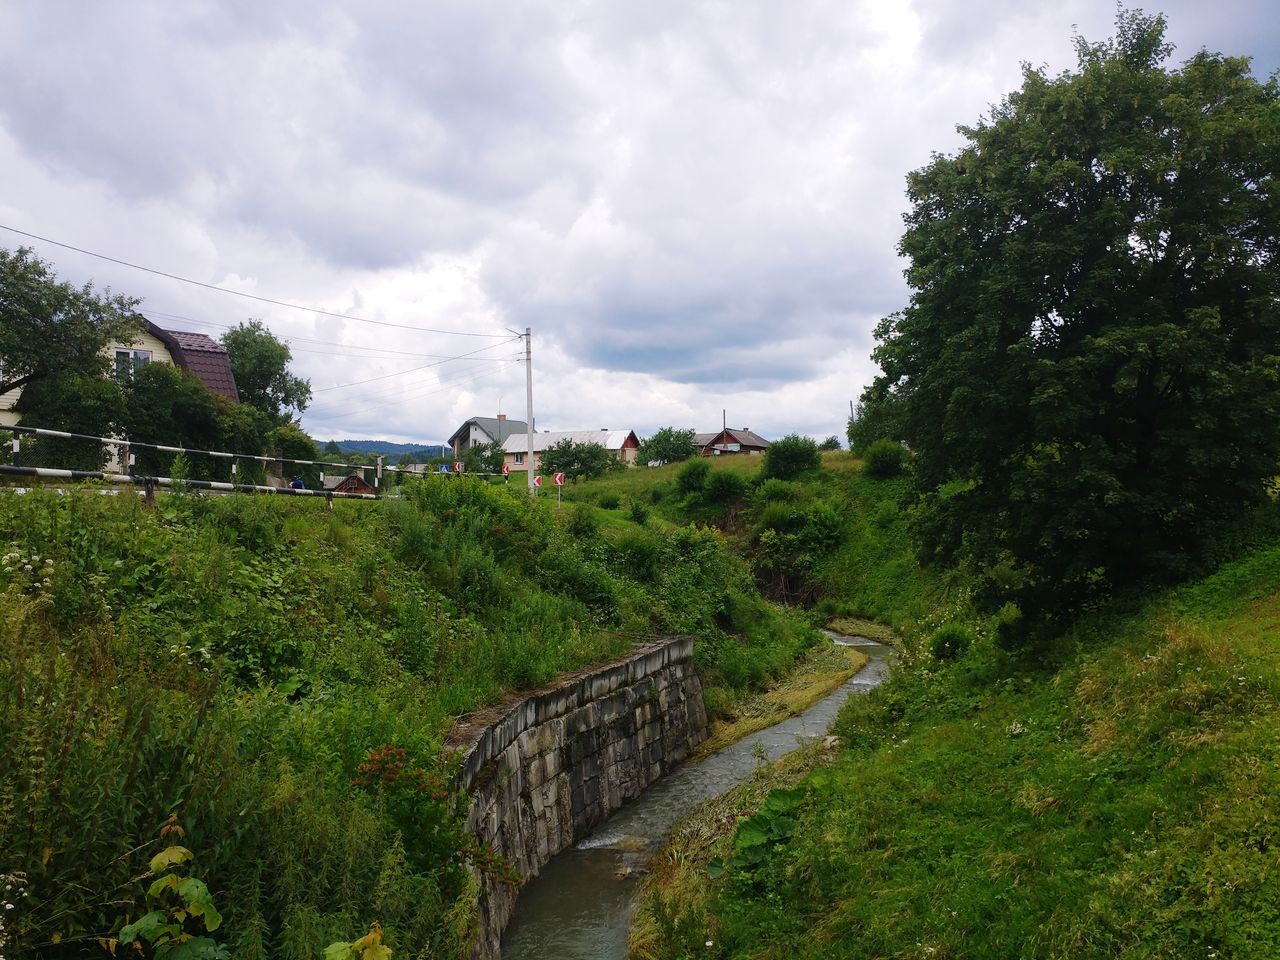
[[667, 445], [280, 676], [1116, 796], [578, 460], [1093, 327]]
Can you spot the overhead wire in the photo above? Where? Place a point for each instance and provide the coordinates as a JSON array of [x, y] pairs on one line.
[[400, 373], [248, 296]]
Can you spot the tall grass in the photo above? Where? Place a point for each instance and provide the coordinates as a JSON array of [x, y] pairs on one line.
[[237, 660]]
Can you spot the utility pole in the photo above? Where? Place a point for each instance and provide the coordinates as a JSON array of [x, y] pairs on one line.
[[528, 385]]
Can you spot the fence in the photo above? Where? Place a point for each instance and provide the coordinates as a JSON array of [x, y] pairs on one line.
[[126, 457]]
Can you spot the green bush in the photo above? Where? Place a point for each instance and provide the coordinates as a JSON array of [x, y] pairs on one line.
[[950, 642], [883, 459], [583, 522], [658, 492], [638, 512], [692, 476], [610, 501], [790, 457], [774, 490], [725, 487]]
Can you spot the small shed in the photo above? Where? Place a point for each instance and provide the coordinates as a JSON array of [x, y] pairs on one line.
[[352, 483]]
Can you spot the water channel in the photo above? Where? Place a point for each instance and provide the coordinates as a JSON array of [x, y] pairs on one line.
[[580, 906]]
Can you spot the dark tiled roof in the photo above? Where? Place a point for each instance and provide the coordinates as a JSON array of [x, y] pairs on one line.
[[204, 358], [747, 438], [492, 426]]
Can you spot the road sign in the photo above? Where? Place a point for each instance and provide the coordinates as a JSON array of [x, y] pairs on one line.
[[457, 466], [506, 469], [558, 478], [444, 468], [537, 480]]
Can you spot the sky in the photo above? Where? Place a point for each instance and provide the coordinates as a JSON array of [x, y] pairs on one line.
[[695, 206]]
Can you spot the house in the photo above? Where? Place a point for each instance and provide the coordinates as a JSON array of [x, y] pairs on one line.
[[481, 430], [621, 443], [731, 440], [353, 483], [201, 356]]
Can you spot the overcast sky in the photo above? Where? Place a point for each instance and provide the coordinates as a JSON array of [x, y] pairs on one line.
[[694, 205]]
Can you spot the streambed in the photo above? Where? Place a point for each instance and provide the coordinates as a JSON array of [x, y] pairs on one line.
[[580, 906]]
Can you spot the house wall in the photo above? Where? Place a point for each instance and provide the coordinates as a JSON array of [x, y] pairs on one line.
[[159, 353], [545, 769]]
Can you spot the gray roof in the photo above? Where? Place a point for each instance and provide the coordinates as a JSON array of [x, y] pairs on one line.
[[741, 436], [491, 426], [702, 439]]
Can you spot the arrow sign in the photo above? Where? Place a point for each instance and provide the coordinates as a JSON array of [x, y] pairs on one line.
[[537, 480], [558, 479], [506, 469], [457, 466]]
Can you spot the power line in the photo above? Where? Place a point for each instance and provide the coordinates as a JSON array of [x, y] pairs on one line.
[[172, 317], [425, 366], [240, 293], [441, 387]]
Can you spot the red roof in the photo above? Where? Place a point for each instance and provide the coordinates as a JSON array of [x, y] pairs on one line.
[[202, 357]]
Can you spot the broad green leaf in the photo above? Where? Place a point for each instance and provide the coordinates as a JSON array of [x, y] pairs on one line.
[[169, 856], [749, 835], [147, 927], [339, 951], [169, 882]]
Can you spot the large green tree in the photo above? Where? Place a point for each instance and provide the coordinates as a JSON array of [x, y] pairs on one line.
[[260, 362], [578, 460], [1087, 369], [48, 327]]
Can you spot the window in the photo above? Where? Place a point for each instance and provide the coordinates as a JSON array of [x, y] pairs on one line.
[[127, 361], [519, 458]]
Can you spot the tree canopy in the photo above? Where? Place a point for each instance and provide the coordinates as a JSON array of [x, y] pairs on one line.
[[1087, 370], [50, 327], [667, 445], [260, 363], [577, 460]]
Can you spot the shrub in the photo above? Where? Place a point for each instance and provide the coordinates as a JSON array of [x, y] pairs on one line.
[[774, 490], [692, 476], [610, 501], [658, 492], [791, 456], [883, 459], [725, 487], [639, 512], [583, 522], [950, 642], [639, 554]]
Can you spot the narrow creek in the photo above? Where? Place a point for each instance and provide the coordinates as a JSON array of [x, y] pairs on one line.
[[580, 906]]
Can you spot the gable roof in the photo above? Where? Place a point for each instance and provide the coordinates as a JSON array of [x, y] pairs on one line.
[[491, 426], [609, 439], [743, 437], [202, 357]]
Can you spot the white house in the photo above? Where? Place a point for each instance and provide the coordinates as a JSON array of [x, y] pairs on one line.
[[621, 443]]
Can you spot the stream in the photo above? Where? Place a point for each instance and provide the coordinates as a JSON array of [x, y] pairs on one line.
[[580, 906]]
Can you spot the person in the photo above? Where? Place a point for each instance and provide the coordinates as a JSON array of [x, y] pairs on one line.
[[297, 484]]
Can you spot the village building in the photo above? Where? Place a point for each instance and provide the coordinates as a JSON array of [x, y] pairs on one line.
[[478, 431], [731, 440], [352, 483], [621, 443], [199, 355]]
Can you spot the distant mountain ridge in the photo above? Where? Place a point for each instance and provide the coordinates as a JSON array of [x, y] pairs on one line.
[[390, 447]]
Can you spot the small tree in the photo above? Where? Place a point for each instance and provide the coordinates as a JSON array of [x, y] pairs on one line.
[[260, 363], [165, 405], [578, 460], [791, 456], [667, 445], [290, 442], [484, 458], [883, 459], [692, 476], [831, 443]]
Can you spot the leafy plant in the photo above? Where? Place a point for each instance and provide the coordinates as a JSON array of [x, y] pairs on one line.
[[883, 459], [183, 908], [368, 947], [790, 456]]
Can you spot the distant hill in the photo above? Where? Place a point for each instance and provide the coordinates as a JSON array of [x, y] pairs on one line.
[[390, 448]]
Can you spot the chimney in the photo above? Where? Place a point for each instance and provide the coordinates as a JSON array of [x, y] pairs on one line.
[[502, 416]]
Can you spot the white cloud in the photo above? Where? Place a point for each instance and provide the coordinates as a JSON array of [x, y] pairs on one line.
[[695, 205]]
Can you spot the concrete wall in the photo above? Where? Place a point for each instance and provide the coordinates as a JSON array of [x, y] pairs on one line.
[[545, 769]]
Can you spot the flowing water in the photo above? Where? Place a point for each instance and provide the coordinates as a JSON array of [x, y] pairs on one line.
[[580, 905]]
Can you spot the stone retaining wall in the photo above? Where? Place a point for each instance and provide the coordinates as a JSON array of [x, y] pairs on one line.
[[546, 768]]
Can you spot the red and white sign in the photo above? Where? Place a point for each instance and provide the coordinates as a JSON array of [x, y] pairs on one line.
[[457, 466], [506, 469], [558, 478], [537, 480]]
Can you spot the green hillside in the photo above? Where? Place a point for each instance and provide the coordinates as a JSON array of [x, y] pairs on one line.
[[280, 677]]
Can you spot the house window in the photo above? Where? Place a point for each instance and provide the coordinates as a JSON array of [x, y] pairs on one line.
[[127, 361], [519, 458]]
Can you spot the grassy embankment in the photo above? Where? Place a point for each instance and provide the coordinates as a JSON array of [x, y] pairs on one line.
[[1117, 794], [240, 662]]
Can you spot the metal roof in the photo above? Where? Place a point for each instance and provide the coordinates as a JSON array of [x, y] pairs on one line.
[[201, 356], [609, 439], [491, 426]]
